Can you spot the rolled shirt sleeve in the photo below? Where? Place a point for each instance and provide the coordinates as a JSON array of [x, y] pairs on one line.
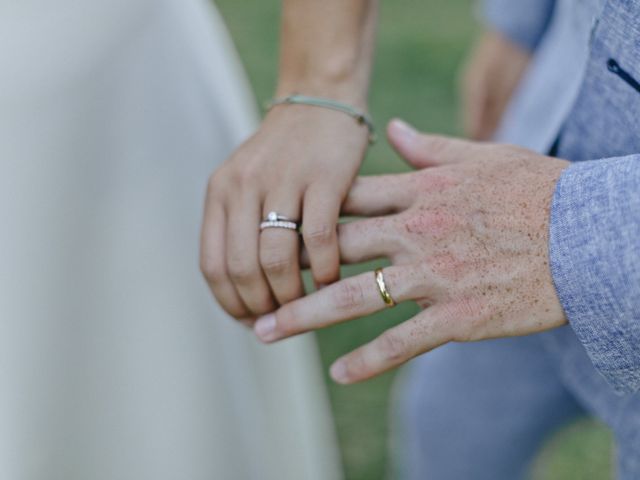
[[594, 249], [522, 21]]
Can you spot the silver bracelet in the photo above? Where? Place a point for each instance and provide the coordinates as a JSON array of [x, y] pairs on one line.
[[360, 117]]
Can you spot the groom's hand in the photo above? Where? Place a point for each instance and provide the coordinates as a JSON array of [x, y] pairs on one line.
[[467, 239]]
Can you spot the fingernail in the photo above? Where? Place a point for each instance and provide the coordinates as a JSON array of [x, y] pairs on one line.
[[320, 286], [339, 372], [403, 129], [265, 327]]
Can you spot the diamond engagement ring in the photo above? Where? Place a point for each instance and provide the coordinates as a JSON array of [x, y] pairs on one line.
[[274, 220]]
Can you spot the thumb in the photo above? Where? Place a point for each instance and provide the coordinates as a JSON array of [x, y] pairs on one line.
[[422, 150]]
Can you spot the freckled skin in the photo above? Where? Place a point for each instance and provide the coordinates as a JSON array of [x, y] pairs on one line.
[[433, 222], [481, 227], [467, 236]]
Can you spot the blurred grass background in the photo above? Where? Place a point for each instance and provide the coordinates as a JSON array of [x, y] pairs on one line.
[[420, 46]]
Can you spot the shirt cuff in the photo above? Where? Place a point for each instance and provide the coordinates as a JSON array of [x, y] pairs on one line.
[[594, 249]]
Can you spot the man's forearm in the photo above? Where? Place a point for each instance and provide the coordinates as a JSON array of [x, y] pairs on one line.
[[327, 48], [594, 232]]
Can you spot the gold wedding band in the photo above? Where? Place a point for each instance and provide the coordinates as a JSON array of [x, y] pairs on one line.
[[382, 288]]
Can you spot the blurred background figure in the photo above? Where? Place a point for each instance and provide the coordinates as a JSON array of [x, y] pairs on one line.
[[114, 361]]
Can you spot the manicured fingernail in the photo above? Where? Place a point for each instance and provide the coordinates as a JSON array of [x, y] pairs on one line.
[[339, 372], [265, 327], [404, 129]]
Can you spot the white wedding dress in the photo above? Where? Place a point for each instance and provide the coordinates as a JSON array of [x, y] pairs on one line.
[[115, 364]]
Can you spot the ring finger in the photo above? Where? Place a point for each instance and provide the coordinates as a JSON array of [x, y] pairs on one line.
[[280, 250], [350, 298]]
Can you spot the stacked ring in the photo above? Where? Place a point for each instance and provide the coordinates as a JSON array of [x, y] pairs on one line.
[[274, 220]]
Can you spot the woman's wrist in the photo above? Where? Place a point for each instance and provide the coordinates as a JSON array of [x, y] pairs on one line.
[[350, 92], [327, 49], [360, 116]]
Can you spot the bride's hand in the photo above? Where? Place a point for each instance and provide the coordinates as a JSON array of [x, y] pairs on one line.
[[299, 164], [467, 239]]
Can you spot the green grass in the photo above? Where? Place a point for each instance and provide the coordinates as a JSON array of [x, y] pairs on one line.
[[420, 46]]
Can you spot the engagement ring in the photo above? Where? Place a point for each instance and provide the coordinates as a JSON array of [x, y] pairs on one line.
[[274, 220]]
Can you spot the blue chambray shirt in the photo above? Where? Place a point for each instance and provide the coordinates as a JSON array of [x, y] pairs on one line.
[[583, 89]]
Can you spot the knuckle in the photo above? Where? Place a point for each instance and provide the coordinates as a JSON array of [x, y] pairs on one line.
[[233, 306], [236, 312], [248, 174], [348, 295], [232, 176], [242, 271], [356, 365], [212, 270], [433, 182], [318, 235], [450, 313], [463, 318], [325, 271], [467, 307], [326, 274], [286, 319], [276, 263], [219, 182], [262, 307], [392, 347], [447, 266], [216, 184], [435, 222], [438, 146]]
